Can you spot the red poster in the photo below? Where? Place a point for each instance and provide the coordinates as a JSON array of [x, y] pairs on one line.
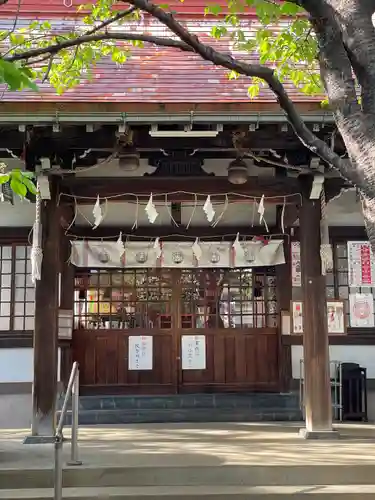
[[366, 265]]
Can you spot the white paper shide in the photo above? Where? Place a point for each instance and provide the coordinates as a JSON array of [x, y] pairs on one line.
[[361, 310], [140, 352], [193, 352]]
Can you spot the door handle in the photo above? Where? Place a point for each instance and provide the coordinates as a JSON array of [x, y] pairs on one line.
[[178, 358]]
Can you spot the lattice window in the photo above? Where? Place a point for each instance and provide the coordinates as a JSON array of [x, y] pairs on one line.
[[232, 298], [131, 298], [142, 298], [17, 291]]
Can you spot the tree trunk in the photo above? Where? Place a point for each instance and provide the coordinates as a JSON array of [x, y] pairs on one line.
[[346, 40]]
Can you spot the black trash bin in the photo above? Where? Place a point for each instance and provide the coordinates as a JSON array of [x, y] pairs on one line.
[[354, 392]]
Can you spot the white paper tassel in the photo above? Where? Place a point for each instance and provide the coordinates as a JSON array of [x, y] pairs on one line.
[[157, 248], [326, 256], [36, 255], [120, 245], [151, 211], [261, 210], [283, 217], [326, 252], [197, 251], [238, 248], [97, 213], [208, 209]]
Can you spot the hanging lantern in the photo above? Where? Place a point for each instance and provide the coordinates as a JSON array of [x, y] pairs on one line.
[[237, 171], [177, 257], [141, 257], [128, 158], [103, 257]]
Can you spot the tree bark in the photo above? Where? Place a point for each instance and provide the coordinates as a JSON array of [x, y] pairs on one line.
[[346, 39]]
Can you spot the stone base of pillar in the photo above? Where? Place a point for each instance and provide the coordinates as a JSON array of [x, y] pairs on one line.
[[319, 435]]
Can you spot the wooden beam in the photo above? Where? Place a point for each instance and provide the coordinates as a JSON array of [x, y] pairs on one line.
[[317, 393], [171, 232], [45, 330], [218, 186]]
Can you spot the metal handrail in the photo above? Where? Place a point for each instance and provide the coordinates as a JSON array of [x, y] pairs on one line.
[[73, 392]]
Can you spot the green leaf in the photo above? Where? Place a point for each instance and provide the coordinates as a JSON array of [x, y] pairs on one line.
[[212, 9], [16, 78], [233, 75], [290, 9], [4, 178], [253, 91], [30, 186], [219, 31], [18, 187]]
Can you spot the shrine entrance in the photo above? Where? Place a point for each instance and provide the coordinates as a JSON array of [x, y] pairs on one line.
[[164, 331]]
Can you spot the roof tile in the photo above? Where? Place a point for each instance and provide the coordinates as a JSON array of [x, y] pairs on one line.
[[158, 74]]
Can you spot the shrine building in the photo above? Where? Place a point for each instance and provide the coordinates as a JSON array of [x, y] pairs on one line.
[[177, 264]]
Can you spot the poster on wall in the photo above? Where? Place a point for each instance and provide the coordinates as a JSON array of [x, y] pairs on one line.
[[361, 264], [296, 263], [193, 352], [361, 310], [336, 316], [297, 317], [140, 353]]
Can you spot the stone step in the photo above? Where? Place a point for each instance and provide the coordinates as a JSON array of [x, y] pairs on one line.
[[177, 401], [197, 476], [252, 407], [333, 492], [198, 415]]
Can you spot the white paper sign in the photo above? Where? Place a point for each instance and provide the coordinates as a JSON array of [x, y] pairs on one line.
[[361, 310], [361, 264], [297, 316], [193, 353], [140, 353], [295, 251]]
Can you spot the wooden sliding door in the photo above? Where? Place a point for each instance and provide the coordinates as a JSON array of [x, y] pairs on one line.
[[235, 311]]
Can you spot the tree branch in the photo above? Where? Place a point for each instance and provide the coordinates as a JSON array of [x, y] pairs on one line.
[[190, 43], [125, 37], [305, 135], [118, 17]]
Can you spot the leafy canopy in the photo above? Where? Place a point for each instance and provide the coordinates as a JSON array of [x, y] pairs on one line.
[[283, 39]]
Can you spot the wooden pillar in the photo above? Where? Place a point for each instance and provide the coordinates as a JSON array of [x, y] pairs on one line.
[[284, 297], [46, 317], [67, 303], [318, 408]]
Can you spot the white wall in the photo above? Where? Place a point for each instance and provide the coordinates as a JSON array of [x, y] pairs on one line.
[[345, 210], [363, 355], [21, 214], [17, 365]]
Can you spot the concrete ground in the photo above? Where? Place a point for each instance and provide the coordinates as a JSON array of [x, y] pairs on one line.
[[196, 444]]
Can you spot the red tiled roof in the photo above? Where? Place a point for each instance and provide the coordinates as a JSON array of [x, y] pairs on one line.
[[61, 8], [159, 75]]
